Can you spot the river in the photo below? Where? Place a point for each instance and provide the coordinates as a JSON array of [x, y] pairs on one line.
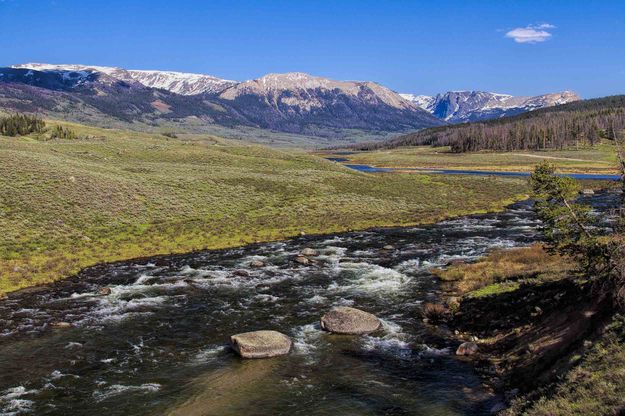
[[157, 344], [375, 169]]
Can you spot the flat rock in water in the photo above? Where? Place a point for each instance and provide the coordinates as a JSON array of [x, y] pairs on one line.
[[352, 321], [467, 348], [261, 344], [388, 247]]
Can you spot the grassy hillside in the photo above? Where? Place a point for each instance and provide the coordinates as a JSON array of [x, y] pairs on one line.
[[68, 204], [600, 158]]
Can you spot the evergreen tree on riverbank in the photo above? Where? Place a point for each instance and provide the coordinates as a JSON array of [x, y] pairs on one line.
[[568, 229]]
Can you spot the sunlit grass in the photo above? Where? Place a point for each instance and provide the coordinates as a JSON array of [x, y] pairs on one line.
[[503, 270]]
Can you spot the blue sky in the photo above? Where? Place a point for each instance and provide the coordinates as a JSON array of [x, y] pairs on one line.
[[519, 47]]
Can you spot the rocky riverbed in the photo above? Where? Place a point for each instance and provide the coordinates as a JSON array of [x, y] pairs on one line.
[[152, 336]]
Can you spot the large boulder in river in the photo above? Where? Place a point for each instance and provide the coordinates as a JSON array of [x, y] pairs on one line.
[[261, 344], [346, 320]]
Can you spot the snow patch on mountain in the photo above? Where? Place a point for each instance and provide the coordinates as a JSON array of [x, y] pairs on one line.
[[464, 106], [176, 82], [423, 101]]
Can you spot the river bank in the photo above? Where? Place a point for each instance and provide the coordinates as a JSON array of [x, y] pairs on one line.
[[154, 341], [541, 331]]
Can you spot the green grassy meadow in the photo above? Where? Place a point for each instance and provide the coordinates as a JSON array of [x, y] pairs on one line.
[[69, 204], [585, 159]]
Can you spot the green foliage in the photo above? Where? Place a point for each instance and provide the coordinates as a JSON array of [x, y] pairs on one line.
[[495, 289], [61, 132], [566, 225], [21, 125]]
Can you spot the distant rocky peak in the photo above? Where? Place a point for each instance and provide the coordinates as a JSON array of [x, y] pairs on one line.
[[463, 106]]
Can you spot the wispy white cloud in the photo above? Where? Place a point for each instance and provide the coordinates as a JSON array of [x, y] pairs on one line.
[[531, 33]]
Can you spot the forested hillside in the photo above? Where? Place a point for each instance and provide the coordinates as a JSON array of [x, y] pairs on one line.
[[581, 122]]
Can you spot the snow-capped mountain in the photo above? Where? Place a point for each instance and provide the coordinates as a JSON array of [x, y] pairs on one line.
[[292, 102], [297, 101], [463, 106], [176, 82], [422, 101]]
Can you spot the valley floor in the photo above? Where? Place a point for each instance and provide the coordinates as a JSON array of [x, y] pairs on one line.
[[116, 195], [600, 159]]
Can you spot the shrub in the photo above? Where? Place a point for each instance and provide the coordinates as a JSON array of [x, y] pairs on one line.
[[435, 312], [60, 132]]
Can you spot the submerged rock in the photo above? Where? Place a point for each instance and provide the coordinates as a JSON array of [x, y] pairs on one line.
[[346, 320], [302, 260], [467, 348], [241, 273], [309, 252], [261, 344], [257, 263], [498, 407], [388, 247]]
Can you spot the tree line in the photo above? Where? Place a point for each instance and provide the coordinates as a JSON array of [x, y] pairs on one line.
[[21, 125], [582, 122], [25, 124]]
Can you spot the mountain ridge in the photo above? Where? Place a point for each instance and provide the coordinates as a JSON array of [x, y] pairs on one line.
[[468, 106], [183, 83], [292, 102]]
